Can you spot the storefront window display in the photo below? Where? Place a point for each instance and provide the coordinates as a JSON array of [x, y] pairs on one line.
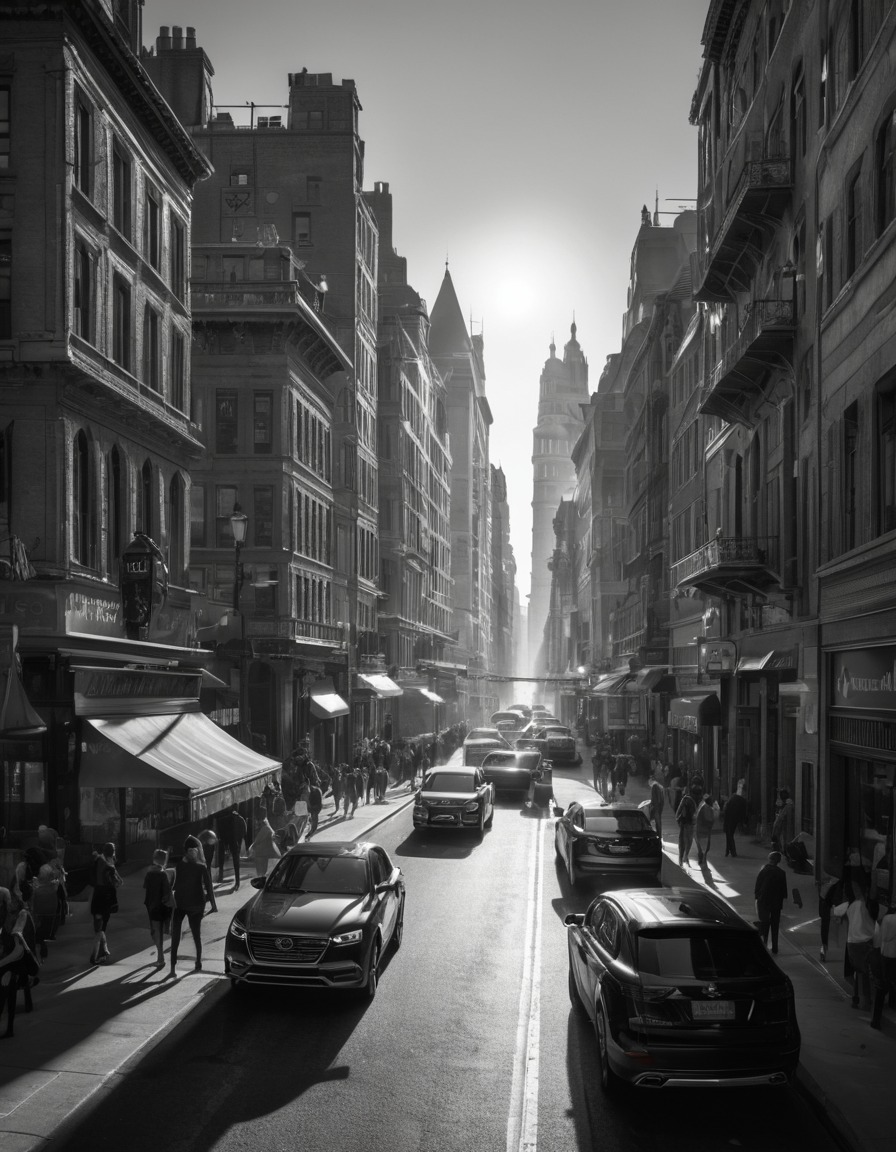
[[869, 822]]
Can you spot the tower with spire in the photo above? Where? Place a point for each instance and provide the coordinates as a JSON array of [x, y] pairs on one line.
[[562, 391]]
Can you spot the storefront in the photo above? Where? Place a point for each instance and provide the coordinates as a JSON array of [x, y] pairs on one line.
[[694, 723]]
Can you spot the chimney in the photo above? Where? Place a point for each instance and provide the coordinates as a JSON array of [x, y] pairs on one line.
[[177, 35], [163, 40], [191, 37]]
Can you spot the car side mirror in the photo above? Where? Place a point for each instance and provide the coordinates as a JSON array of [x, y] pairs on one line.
[[385, 886], [258, 881], [558, 811], [577, 918]]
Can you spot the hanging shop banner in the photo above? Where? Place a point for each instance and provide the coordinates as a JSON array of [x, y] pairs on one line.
[[864, 678]]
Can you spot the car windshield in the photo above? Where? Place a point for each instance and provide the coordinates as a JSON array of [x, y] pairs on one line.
[[699, 955], [343, 874], [614, 823], [448, 782]]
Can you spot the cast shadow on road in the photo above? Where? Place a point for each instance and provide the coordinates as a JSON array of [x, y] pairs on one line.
[[241, 1059], [449, 844]]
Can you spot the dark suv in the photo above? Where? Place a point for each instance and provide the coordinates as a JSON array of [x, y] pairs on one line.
[[681, 992]]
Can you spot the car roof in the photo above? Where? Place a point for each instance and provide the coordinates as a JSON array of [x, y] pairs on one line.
[[492, 741], [671, 907], [332, 848]]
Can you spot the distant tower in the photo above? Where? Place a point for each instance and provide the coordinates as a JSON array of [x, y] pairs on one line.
[[564, 387]]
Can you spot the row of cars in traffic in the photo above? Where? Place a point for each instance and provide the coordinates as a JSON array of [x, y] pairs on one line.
[[678, 988]]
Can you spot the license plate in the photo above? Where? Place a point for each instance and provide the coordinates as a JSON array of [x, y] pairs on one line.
[[712, 1009], [618, 849], [444, 818]]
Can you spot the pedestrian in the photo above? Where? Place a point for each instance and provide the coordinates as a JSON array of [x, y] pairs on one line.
[[884, 968], [159, 901], [782, 828], [337, 786], [770, 892], [685, 816], [734, 814], [231, 834], [45, 906], [596, 762], [382, 778], [657, 799], [104, 901], [704, 819], [830, 892], [315, 803], [19, 964], [859, 936], [264, 848], [192, 891], [209, 842], [675, 792], [350, 791]]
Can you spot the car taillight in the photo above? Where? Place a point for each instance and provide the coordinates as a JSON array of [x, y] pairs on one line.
[[648, 1007]]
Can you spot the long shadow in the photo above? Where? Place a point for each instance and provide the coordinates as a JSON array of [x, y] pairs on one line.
[[453, 844]]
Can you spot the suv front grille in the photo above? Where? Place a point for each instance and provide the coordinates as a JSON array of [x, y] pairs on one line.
[[300, 949]]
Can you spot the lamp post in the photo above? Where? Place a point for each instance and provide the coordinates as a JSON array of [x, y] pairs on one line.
[[239, 522]]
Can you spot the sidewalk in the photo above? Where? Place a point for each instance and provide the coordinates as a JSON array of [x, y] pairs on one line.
[[89, 1021], [847, 1068]]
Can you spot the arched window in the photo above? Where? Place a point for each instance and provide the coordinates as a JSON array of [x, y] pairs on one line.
[[145, 516], [176, 558], [82, 512], [114, 511]]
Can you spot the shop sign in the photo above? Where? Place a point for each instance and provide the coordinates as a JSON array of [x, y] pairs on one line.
[[122, 691], [32, 609], [92, 612], [864, 678], [683, 723], [716, 657]]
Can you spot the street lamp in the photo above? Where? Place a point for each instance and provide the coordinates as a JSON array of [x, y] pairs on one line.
[[239, 522]]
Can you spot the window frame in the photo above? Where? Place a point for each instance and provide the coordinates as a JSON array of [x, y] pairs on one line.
[[122, 190], [82, 173], [152, 348], [152, 227], [122, 322]]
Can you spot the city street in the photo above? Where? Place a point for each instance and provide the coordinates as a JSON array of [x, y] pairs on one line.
[[470, 1042]]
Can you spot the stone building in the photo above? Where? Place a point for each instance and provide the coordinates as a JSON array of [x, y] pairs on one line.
[[99, 434], [504, 592]]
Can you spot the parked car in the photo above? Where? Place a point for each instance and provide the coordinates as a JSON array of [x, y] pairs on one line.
[[554, 742], [513, 771], [455, 797], [473, 752], [323, 918], [681, 992], [485, 734], [596, 838]]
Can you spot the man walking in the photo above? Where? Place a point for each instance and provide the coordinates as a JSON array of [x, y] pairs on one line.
[[770, 892], [733, 816], [657, 799], [231, 834]]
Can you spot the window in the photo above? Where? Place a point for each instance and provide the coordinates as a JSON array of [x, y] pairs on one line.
[[152, 371], [81, 510], [233, 268], [225, 498], [853, 224], [176, 559], [263, 516], [82, 320], [301, 228], [83, 174], [121, 190], [152, 229], [5, 286], [121, 323], [4, 126], [239, 178], [145, 501], [886, 457], [263, 403], [226, 429], [114, 508], [177, 390], [177, 256], [886, 185], [197, 516]]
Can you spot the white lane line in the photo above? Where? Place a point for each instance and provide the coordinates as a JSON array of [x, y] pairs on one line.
[[522, 1120]]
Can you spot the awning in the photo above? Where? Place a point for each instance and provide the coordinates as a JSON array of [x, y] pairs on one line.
[[381, 684], [774, 661], [325, 701], [611, 685], [696, 711], [183, 751], [433, 696], [653, 679]]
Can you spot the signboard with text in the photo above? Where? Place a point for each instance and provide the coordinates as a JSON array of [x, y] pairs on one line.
[[864, 678]]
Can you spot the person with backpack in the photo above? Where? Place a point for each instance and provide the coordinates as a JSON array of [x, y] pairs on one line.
[[685, 814]]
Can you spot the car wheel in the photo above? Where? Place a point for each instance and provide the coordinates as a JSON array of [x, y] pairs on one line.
[[398, 932], [608, 1078], [574, 998], [373, 971]]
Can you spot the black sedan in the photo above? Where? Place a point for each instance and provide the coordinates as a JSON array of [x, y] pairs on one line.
[[553, 741], [597, 839], [455, 797], [681, 992], [323, 918]]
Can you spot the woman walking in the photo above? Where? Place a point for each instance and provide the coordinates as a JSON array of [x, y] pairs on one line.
[[192, 891], [158, 901], [104, 901], [264, 849]]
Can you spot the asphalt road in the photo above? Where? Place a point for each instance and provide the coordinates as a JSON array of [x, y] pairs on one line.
[[471, 1041]]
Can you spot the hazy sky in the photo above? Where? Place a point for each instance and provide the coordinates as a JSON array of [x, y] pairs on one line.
[[518, 137]]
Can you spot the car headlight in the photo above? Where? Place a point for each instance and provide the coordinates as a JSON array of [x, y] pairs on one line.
[[473, 806], [238, 931], [353, 937]]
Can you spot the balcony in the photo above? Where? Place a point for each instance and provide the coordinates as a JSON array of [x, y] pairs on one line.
[[765, 342], [730, 566], [760, 198], [279, 637]]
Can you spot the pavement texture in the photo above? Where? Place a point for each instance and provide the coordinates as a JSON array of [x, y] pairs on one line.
[[89, 1024], [847, 1068]]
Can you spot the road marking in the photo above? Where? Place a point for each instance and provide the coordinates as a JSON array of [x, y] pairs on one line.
[[522, 1121]]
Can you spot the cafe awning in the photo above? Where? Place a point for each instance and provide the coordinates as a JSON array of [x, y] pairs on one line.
[[695, 711], [380, 683], [430, 695], [325, 701], [612, 685], [184, 751], [773, 661], [652, 679]]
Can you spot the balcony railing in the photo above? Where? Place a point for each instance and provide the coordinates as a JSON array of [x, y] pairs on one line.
[[764, 341], [291, 628], [244, 295], [728, 559]]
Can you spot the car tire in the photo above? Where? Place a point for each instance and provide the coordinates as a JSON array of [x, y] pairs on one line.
[[609, 1081], [398, 931], [370, 985]]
